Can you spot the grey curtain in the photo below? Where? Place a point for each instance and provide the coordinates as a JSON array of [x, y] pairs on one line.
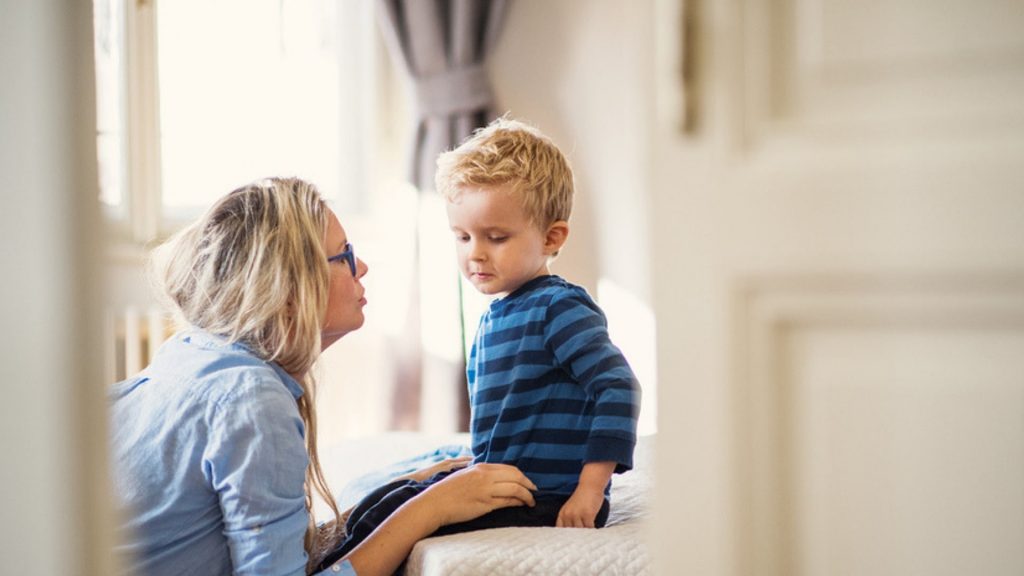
[[443, 46]]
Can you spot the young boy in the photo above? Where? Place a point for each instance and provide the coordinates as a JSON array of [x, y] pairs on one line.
[[550, 393]]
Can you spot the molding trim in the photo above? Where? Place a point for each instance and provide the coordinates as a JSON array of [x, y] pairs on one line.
[[768, 310]]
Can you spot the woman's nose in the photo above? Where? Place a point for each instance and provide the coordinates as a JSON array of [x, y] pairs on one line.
[[361, 268]]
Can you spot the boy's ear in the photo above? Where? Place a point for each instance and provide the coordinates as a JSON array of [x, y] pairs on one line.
[[557, 234]]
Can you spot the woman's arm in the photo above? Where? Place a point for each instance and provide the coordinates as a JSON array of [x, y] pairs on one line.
[[254, 460], [445, 465], [464, 495]]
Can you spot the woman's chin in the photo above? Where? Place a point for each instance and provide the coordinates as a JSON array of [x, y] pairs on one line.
[[330, 336]]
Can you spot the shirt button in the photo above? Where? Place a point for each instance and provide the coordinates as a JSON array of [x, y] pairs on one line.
[[336, 568]]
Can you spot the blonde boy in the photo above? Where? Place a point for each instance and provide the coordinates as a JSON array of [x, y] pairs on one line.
[[550, 393]]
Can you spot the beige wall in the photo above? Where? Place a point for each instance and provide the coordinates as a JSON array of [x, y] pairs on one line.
[[580, 70]]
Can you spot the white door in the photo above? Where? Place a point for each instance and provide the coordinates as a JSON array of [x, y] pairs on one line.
[[839, 288]]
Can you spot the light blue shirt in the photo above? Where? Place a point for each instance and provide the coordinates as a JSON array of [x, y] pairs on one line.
[[209, 462]]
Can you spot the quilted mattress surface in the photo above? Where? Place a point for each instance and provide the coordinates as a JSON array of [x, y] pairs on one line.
[[620, 548]]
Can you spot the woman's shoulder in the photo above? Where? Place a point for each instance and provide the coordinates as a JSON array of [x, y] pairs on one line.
[[221, 371]]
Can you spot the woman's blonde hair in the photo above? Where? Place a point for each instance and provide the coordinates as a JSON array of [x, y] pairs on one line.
[[510, 152], [253, 269]]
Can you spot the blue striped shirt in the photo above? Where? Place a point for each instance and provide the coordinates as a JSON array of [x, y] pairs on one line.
[[548, 389]]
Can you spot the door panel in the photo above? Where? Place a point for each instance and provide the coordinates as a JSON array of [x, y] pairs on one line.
[[906, 441], [841, 306], [898, 69], [880, 425]]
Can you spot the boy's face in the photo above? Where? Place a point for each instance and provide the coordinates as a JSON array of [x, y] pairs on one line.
[[498, 247]]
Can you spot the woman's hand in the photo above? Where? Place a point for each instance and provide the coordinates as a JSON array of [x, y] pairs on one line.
[[477, 490], [442, 466], [464, 495]]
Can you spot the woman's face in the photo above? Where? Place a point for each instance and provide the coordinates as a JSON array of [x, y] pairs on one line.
[[345, 299]]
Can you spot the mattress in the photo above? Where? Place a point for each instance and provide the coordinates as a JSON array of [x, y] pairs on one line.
[[620, 548]]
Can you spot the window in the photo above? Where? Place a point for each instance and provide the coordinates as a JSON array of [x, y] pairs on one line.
[[109, 26], [196, 97]]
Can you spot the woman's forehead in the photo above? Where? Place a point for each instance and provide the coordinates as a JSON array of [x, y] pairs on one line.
[[336, 237]]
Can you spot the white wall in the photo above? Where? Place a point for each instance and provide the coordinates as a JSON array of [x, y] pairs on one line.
[[581, 71], [52, 441]]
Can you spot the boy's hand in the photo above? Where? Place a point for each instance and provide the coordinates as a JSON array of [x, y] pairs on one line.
[[581, 509]]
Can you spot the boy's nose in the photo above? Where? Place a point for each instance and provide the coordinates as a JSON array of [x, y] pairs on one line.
[[477, 254]]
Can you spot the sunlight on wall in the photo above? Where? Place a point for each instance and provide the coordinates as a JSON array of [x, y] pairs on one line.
[[632, 328], [440, 330], [385, 239], [474, 304], [440, 276], [357, 374]]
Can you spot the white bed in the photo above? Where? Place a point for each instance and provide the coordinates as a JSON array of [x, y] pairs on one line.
[[620, 548]]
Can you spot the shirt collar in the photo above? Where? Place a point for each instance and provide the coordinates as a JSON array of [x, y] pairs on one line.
[[530, 285], [290, 383], [210, 341]]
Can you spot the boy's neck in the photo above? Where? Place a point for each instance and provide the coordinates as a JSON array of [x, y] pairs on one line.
[[533, 280]]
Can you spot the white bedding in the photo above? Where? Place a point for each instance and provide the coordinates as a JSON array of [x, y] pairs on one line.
[[618, 549]]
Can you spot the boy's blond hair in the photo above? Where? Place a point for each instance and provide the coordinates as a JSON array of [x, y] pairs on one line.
[[509, 152]]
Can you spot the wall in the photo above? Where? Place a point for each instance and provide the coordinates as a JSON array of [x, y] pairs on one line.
[[580, 70]]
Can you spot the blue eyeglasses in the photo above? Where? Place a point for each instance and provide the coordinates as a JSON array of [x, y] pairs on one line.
[[348, 255]]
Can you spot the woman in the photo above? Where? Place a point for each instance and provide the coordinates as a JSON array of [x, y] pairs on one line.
[[214, 444]]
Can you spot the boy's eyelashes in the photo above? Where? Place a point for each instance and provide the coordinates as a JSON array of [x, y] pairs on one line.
[[492, 238]]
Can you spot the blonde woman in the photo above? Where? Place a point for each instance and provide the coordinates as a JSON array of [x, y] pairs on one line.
[[214, 444]]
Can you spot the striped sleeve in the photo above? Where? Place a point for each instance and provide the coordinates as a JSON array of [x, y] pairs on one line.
[[577, 334]]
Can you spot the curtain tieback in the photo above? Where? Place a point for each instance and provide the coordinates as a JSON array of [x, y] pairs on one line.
[[455, 91]]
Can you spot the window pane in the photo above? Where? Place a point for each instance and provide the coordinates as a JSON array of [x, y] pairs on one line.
[[108, 21], [248, 89]]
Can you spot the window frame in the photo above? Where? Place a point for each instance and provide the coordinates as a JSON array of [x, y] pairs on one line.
[[142, 220]]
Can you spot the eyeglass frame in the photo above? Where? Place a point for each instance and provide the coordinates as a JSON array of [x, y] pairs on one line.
[[349, 255]]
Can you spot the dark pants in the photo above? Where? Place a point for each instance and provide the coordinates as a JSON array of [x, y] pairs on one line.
[[376, 506]]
